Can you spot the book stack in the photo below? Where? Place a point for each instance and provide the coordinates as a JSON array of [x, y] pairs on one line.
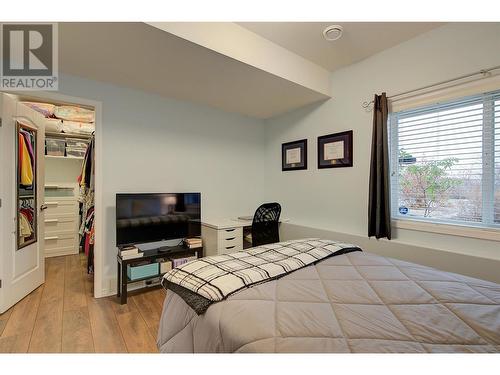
[[165, 265], [176, 262], [130, 252], [193, 243]]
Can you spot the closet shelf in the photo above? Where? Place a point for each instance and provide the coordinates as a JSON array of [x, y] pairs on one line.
[[48, 186], [68, 135], [64, 157]]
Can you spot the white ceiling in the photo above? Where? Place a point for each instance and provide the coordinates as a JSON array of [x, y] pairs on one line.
[[359, 41], [143, 57]]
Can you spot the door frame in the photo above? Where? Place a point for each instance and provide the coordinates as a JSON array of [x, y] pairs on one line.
[[98, 196]]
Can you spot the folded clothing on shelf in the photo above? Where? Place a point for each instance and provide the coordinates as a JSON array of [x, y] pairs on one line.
[[45, 109], [72, 113], [74, 127]]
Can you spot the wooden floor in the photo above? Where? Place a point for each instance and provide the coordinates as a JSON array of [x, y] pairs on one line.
[[63, 316]]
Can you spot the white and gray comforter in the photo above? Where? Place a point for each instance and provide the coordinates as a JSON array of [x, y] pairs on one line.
[[212, 279], [355, 302]]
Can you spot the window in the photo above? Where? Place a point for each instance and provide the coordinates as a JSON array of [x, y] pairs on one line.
[[445, 162]]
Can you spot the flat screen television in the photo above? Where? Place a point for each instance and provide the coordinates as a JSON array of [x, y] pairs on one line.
[[152, 217]]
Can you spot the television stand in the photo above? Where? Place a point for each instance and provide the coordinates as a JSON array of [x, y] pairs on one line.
[[166, 249], [150, 256]]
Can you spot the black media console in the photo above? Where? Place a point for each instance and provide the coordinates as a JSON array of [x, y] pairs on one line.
[[150, 256]]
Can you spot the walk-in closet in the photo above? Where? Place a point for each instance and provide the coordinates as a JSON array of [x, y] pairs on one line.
[[69, 189]]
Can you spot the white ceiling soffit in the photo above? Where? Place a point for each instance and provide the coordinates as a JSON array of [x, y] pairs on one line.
[[143, 57], [237, 42], [359, 40]]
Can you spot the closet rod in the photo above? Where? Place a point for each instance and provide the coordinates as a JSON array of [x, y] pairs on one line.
[[483, 72]]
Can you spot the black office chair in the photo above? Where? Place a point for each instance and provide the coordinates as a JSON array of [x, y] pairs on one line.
[[265, 224]]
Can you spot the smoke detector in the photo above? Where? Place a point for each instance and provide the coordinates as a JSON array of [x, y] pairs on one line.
[[333, 32]]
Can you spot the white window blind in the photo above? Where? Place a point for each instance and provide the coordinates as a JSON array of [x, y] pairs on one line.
[[445, 162], [496, 172]]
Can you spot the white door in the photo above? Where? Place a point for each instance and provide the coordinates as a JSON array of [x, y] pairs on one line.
[[22, 261]]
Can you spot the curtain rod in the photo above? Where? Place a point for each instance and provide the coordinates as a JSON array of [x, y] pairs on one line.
[[483, 72]]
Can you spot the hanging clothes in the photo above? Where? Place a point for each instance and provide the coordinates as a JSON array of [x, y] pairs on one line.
[[28, 213], [89, 239], [29, 144], [86, 178], [88, 230], [25, 163], [86, 198], [25, 228], [90, 260], [26, 220]]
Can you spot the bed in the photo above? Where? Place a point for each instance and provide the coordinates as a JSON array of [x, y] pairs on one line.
[[351, 302]]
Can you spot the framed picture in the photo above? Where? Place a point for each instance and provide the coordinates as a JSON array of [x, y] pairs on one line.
[[294, 155], [335, 150]]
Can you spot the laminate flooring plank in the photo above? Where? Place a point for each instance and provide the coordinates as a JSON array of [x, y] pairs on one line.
[[105, 329], [47, 332], [4, 318], [136, 333], [150, 309], [77, 333], [74, 284], [16, 334]]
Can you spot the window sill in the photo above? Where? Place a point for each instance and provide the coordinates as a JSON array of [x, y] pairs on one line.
[[449, 229]]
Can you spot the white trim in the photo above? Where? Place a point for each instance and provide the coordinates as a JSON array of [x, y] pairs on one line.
[[98, 205], [487, 230], [449, 229]]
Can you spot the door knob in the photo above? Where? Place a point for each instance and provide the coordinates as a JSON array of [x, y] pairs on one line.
[[43, 207]]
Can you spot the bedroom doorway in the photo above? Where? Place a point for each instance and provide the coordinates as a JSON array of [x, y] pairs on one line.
[[50, 200]]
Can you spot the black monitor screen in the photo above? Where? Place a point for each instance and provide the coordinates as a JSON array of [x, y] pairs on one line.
[[142, 218]]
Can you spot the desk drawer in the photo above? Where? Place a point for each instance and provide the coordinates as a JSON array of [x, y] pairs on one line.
[[230, 249], [221, 241], [230, 244], [233, 241], [230, 233]]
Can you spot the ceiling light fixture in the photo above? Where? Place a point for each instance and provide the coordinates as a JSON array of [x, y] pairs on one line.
[[333, 32]]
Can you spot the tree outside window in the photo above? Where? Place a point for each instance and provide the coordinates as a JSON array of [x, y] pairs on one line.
[[425, 185]]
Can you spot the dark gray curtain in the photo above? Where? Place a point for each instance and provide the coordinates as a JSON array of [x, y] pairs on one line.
[[379, 208]]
